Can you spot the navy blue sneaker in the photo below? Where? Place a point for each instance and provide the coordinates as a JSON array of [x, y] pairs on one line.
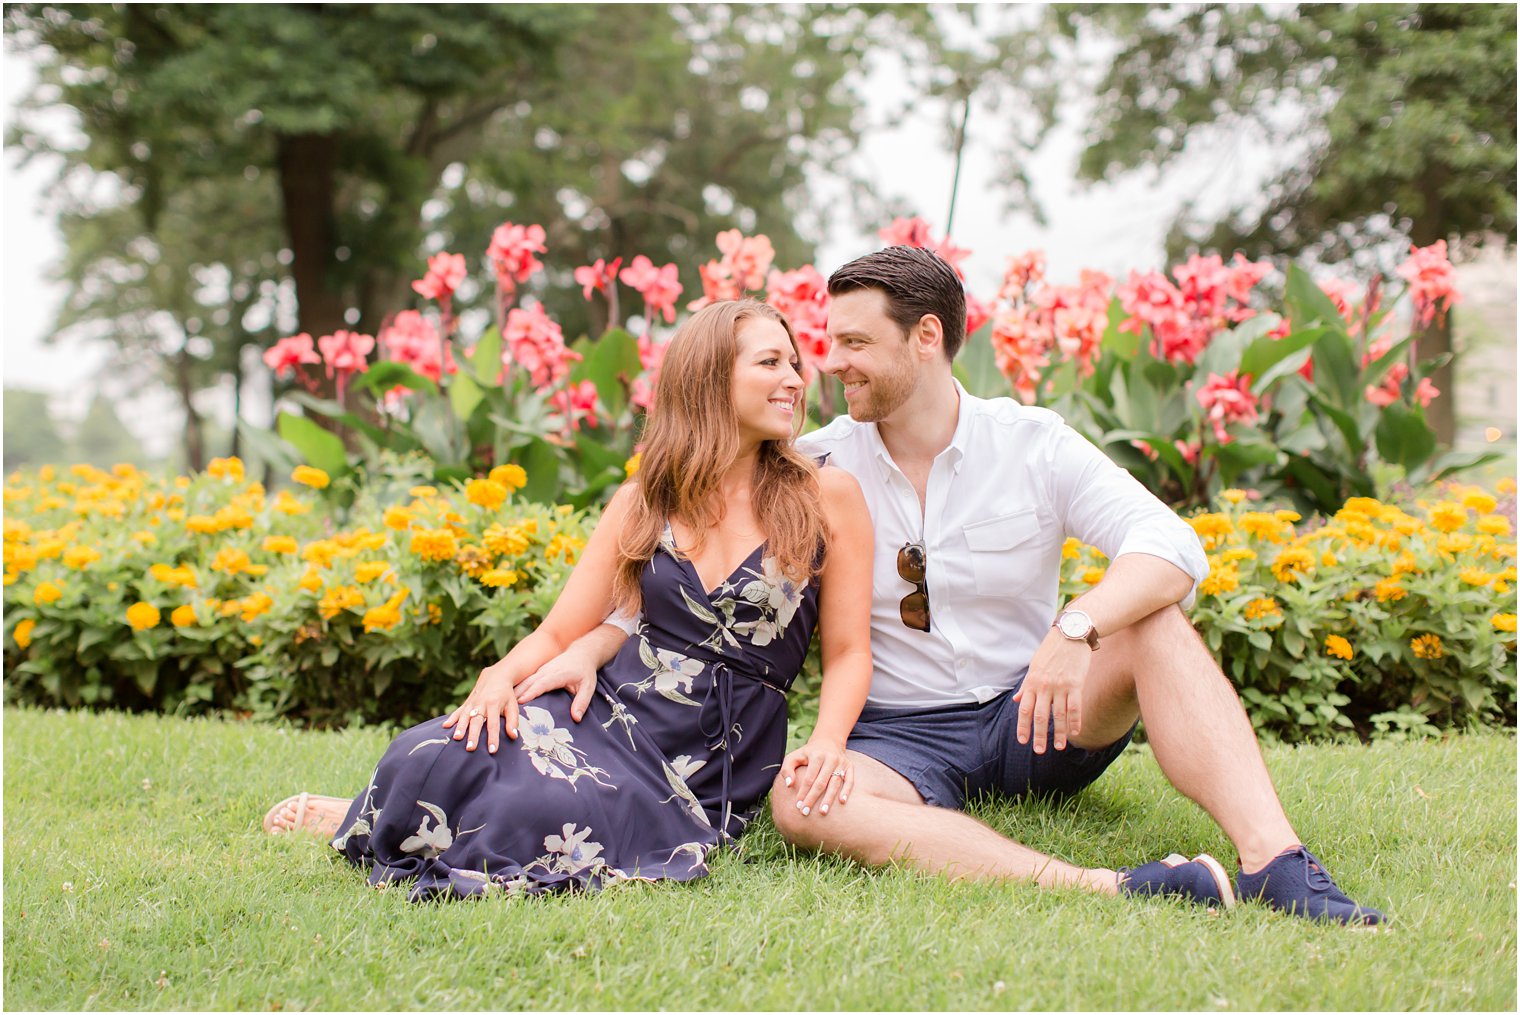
[[1296, 882], [1201, 880]]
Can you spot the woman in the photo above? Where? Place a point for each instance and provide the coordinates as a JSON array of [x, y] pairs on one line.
[[731, 545]]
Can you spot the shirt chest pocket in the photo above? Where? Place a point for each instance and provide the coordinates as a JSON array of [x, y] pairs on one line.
[[1006, 553]]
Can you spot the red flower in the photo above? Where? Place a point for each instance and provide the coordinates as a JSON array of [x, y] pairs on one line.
[[1226, 400], [1432, 281], [576, 403], [597, 277], [658, 286], [803, 296], [445, 272], [977, 314], [412, 339], [344, 352], [535, 343], [511, 253], [1020, 343], [1022, 270], [914, 232], [286, 355]]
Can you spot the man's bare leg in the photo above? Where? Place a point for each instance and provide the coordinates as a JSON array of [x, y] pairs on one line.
[[886, 820], [1159, 668]]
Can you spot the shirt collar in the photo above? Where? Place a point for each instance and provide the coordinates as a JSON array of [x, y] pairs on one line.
[[955, 451]]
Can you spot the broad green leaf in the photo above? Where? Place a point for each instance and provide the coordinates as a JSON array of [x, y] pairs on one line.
[[485, 358], [1403, 436], [1336, 369], [1306, 303], [976, 368], [264, 446], [1120, 344], [320, 448], [1227, 350], [1265, 352], [387, 374], [1161, 444], [540, 460], [464, 395], [610, 363]]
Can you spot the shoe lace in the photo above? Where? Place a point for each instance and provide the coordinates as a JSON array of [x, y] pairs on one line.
[[1318, 878]]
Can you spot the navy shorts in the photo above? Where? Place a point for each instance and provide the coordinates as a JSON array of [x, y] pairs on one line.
[[953, 754]]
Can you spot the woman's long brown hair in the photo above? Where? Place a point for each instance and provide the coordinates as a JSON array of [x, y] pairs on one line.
[[691, 439]]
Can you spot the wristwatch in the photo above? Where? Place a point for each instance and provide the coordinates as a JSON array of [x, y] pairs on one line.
[[1077, 626]]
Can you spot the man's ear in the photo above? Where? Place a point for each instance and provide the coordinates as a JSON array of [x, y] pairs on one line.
[[928, 336]]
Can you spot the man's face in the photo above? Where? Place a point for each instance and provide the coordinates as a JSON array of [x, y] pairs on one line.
[[870, 354]]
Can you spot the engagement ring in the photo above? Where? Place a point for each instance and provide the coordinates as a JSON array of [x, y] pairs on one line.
[[475, 712], [839, 774]]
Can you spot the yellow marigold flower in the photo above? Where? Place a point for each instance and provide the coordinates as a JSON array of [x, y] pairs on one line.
[[1501, 588], [175, 514], [47, 473], [142, 616], [1263, 609], [1338, 646], [1327, 559], [1292, 562], [1093, 575], [434, 544], [311, 581], [1232, 554], [1389, 590], [1232, 496], [1448, 516], [80, 557], [569, 547], [1505, 486], [23, 632], [1365, 505], [338, 599], [226, 468], [370, 570], [46, 593], [499, 577], [1212, 528], [1508, 574], [423, 492], [230, 560], [281, 544], [505, 541], [1494, 525], [310, 476], [22, 558], [1262, 526], [1287, 517], [510, 476], [397, 517], [286, 503], [1071, 549], [631, 467], [1480, 501], [144, 537], [1475, 576], [1405, 564], [1455, 543], [183, 616], [1427, 646], [203, 524], [1361, 533], [1501, 622], [434, 613], [321, 552], [47, 549], [473, 560], [383, 618], [255, 605], [15, 529], [1221, 578]]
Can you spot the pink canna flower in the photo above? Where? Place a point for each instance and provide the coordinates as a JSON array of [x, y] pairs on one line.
[[1341, 293], [1432, 281], [803, 296], [1020, 343], [411, 339], [576, 404], [1244, 275], [344, 352], [1226, 400], [287, 355], [1023, 270], [444, 273], [511, 254], [534, 342], [748, 257], [658, 286], [597, 277], [906, 232]]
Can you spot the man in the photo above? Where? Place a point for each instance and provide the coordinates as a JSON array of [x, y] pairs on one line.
[[975, 689], [978, 686]]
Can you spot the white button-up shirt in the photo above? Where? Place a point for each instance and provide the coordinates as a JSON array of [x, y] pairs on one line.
[[1001, 499]]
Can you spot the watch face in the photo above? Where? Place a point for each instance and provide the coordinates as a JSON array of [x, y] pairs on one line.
[[1074, 625]]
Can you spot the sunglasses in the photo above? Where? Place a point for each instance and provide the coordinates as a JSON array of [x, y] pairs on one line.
[[914, 608]]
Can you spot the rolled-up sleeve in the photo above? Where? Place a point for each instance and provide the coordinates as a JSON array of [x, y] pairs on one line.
[[1102, 504]]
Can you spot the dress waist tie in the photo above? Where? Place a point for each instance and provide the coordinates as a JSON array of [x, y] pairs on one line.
[[723, 685]]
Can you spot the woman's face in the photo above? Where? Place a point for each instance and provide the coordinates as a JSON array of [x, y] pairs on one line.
[[767, 388]]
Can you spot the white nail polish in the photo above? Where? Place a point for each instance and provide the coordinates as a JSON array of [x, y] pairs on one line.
[[800, 807], [788, 781], [824, 808], [470, 744], [806, 811]]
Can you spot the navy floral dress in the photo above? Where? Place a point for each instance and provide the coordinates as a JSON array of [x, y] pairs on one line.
[[682, 740]]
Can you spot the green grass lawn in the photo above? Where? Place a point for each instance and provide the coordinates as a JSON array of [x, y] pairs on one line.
[[136, 876]]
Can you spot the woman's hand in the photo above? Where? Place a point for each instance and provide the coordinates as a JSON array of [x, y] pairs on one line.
[[822, 771], [491, 704]]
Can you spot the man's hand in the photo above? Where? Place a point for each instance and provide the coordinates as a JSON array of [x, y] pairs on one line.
[[570, 670], [1053, 689], [491, 704]]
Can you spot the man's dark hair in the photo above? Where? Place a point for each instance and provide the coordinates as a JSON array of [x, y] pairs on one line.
[[916, 282]]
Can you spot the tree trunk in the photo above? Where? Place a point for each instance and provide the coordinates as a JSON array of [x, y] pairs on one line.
[[308, 166], [195, 448]]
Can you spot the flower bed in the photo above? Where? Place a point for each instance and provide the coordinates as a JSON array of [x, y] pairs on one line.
[[205, 592]]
